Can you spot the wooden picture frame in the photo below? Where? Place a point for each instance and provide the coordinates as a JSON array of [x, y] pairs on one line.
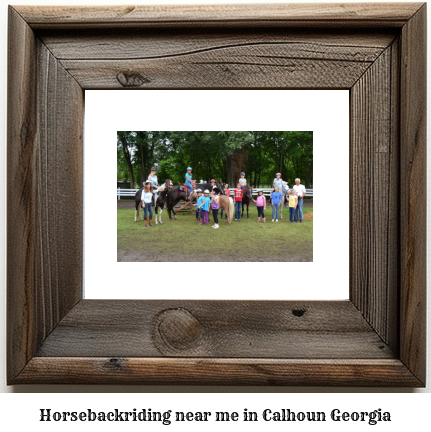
[[376, 338]]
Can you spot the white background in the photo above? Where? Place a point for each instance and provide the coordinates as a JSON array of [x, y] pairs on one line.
[[21, 410], [324, 112]]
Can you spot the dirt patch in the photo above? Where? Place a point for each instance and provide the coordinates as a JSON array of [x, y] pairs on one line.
[[143, 256], [308, 215], [125, 205]]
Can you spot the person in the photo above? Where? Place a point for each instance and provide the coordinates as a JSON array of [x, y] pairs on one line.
[[205, 205], [215, 206], [300, 193], [199, 202], [261, 205], [277, 182], [153, 178], [227, 192], [275, 200], [243, 181], [293, 202], [238, 192], [147, 198], [188, 181]]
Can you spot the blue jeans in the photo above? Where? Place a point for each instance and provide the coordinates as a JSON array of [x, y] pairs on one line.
[[293, 213], [299, 208], [148, 208], [189, 185], [238, 206], [275, 210]]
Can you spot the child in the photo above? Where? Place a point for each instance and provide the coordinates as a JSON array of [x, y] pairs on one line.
[[205, 205], [227, 192], [153, 178], [199, 202], [293, 202], [261, 205], [275, 199], [243, 181], [215, 206], [147, 198], [188, 181], [238, 201]]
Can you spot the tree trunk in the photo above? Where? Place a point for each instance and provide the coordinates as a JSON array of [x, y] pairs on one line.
[[143, 176], [128, 161], [309, 176], [281, 164]]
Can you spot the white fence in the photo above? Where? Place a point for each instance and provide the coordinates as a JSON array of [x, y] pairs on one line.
[[266, 192]]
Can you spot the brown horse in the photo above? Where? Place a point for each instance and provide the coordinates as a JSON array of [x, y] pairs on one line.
[[173, 197], [247, 196], [226, 203]]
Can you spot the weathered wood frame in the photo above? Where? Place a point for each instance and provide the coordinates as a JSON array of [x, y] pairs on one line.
[[376, 338]]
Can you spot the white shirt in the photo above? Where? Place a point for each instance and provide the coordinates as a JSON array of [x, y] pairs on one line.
[[242, 181], [147, 197], [299, 189]]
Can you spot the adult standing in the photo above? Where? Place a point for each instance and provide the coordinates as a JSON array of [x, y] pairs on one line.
[[147, 198], [300, 193], [153, 179]]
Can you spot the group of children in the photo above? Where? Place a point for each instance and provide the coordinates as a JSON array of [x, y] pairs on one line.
[[206, 198]]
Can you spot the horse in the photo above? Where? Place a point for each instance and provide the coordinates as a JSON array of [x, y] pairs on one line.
[[173, 197], [161, 200], [138, 196], [226, 203], [283, 191], [247, 196]]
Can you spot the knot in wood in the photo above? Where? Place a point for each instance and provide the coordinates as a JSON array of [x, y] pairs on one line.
[[131, 79], [178, 328]]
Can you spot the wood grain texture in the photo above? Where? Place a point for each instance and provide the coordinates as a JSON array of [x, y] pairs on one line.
[[300, 14], [201, 371], [21, 194], [59, 183], [45, 105], [377, 338], [413, 194], [204, 60], [374, 196], [240, 329]]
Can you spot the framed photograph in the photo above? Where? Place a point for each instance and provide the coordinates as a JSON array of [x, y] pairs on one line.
[[374, 338]]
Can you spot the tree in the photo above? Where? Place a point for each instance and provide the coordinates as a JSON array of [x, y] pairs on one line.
[[125, 142]]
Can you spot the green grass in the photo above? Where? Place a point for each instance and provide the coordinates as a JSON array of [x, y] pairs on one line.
[[184, 240]]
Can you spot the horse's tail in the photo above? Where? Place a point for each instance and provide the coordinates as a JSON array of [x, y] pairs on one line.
[[138, 195], [231, 209]]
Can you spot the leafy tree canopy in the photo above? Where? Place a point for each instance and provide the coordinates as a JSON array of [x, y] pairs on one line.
[[216, 154]]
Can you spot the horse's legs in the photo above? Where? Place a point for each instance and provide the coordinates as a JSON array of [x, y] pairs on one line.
[[137, 205], [160, 214], [247, 212]]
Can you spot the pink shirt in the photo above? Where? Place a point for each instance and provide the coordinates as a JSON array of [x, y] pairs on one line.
[[260, 202], [227, 192]]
